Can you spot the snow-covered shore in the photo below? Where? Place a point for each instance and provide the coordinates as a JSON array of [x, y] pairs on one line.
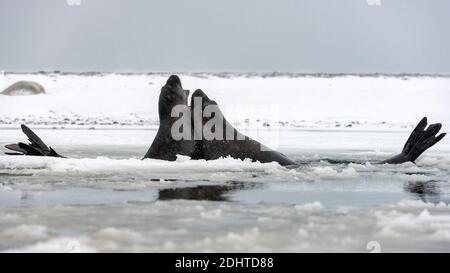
[[248, 100]]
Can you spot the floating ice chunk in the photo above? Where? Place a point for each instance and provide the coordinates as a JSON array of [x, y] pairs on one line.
[[343, 210], [26, 232], [211, 214], [348, 172], [303, 233], [123, 234], [330, 173], [246, 236], [56, 245], [5, 217], [183, 165], [423, 225], [315, 206], [182, 158], [325, 172], [408, 203]]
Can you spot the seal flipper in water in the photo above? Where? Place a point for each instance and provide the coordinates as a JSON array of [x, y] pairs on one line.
[[229, 141], [36, 147], [418, 142]]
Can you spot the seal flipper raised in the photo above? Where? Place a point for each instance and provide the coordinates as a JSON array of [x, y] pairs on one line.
[[418, 142], [36, 147]]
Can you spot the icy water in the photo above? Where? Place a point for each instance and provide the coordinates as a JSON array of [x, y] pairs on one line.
[[105, 198]]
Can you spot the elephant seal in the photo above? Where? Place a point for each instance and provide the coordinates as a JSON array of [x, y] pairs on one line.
[[164, 145], [228, 141], [24, 88]]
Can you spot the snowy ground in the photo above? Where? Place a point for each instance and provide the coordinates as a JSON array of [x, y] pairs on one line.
[[249, 101], [106, 199]]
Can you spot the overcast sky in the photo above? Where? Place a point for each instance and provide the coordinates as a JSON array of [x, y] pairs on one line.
[[226, 35]]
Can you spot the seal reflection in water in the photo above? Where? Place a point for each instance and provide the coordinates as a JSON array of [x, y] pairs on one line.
[[198, 145], [204, 192]]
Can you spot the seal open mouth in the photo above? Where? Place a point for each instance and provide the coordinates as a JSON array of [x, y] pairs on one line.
[[174, 82]]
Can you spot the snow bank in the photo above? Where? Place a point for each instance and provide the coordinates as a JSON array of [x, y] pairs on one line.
[[341, 103]]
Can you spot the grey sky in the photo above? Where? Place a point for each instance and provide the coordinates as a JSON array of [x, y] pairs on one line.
[[226, 35]]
